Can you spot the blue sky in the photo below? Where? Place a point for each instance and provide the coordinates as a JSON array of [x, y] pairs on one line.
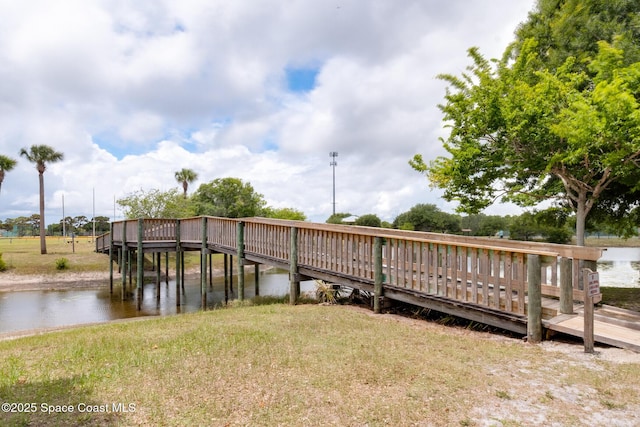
[[131, 92], [301, 80]]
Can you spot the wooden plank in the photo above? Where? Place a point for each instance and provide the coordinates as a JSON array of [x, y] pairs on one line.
[[604, 332], [485, 266], [508, 289]]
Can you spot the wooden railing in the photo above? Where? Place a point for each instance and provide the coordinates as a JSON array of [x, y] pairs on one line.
[[486, 272]]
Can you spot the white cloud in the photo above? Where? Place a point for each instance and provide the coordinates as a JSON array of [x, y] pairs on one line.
[[130, 92]]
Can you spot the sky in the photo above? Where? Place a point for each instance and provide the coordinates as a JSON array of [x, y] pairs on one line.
[[133, 91]]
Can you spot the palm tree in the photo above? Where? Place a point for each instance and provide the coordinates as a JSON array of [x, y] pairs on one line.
[[6, 164], [186, 176], [41, 155]]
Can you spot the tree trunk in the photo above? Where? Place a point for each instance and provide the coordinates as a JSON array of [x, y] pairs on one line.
[[581, 217], [43, 241]]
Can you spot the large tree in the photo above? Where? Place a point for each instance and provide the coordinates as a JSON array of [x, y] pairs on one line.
[[525, 129], [186, 177], [6, 164], [427, 217], [155, 204], [41, 155], [228, 197]]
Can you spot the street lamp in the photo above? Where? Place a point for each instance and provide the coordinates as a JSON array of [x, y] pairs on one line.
[[333, 155]]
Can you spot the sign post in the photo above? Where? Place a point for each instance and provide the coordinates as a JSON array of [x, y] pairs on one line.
[[591, 295]]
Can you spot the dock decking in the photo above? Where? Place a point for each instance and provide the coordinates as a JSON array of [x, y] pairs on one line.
[[518, 286]]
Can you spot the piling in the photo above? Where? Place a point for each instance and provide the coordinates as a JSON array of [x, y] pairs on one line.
[[140, 262], [179, 265], [566, 286], [534, 307], [203, 263], [377, 285], [240, 246], [294, 278]]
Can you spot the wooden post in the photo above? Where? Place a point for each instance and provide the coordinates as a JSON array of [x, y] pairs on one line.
[[226, 279], [125, 255], [166, 266], [566, 286], [111, 258], [231, 273], [178, 263], [140, 262], [158, 257], [240, 247], [377, 266], [130, 264], [534, 308], [203, 263], [210, 269], [589, 300], [588, 335], [182, 263], [294, 280], [256, 275]]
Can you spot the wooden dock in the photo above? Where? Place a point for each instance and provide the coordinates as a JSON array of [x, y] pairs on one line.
[[523, 287], [612, 326]]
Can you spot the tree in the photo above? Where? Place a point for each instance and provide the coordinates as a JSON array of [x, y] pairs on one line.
[[6, 164], [337, 218], [427, 217], [573, 64], [229, 198], [527, 135], [284, 213], [101, 222], [369, 220], [41, 155], [156, 204], [34, 223], [574, 28], [484, 225], [186, 177]]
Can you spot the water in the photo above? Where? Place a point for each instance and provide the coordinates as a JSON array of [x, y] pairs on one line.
[[19, 311], [620, 267]]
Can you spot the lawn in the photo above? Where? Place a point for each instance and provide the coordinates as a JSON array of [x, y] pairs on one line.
[[22, 256], [275, 365]]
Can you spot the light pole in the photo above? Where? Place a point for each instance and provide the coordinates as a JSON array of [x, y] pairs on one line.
[[333, 155]]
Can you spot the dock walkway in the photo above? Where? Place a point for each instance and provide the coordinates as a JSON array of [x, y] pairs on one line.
[[518, 286]]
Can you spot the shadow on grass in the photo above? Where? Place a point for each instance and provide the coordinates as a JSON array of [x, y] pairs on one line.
[[627, 298], [54, 403]]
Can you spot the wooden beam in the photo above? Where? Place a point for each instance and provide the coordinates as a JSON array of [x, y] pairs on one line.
[[377, 262], [294, 281], [534, 307]]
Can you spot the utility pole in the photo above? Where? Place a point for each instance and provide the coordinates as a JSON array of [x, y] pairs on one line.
[[333, 155]]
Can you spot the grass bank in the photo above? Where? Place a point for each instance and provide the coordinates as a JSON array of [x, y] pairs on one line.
[[22, 256], [278, 365]]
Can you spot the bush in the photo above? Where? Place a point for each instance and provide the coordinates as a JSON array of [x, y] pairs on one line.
[[62, 264], [3, 265]]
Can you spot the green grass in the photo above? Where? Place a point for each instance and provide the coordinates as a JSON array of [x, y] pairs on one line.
[[627, 298], [277, 365], [22, 256]]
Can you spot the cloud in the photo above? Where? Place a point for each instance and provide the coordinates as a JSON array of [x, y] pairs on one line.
[[130, 92]]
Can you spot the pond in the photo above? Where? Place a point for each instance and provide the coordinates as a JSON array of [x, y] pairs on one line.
[[27, 310], [20, 311], [620, 267]]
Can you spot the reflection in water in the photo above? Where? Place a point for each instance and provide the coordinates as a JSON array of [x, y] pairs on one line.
[[21, 311]]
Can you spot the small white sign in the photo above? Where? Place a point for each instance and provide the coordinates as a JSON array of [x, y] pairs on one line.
[[593, 284]]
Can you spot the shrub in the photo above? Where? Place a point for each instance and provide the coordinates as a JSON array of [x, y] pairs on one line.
[[3, 265], [62, 264], [327, 292]]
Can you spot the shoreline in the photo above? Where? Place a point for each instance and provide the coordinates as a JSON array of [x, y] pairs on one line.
[[12, 282]]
